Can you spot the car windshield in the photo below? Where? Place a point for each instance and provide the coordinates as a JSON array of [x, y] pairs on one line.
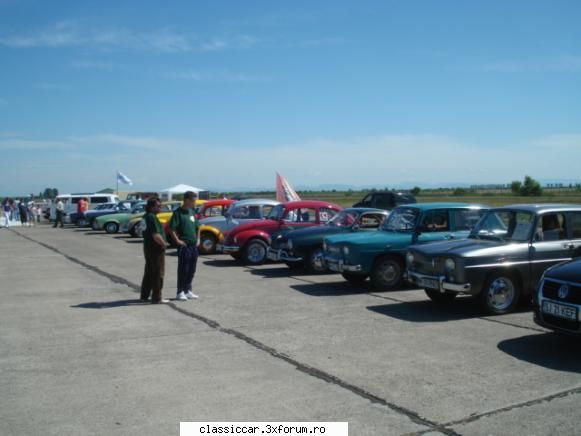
[[276, 212], [401, 219], [506, 225], [345, 218]]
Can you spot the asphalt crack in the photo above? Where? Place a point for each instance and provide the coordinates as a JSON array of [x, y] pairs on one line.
[[301, 367]]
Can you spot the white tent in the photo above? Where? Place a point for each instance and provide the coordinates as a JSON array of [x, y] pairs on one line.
[[179, 189]]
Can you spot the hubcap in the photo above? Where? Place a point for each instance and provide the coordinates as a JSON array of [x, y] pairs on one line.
[[317, 260], [389, 272], [501, 293], [111, 228], [256, 253], [208, 244]]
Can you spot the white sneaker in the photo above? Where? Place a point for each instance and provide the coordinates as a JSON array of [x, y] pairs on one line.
[[181, 296], [191, 296]]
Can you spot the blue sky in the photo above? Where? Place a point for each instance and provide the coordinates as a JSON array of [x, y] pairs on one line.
[[221, 94]]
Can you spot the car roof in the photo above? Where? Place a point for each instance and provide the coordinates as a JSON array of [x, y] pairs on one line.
[[253, 201], [310, 203], [542, 207], [365, 209], [447, 205]]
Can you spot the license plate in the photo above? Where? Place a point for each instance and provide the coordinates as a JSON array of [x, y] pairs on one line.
[[560, 310], [429, 283]]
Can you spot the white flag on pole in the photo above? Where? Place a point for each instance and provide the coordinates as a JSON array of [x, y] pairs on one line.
[[123, 178]]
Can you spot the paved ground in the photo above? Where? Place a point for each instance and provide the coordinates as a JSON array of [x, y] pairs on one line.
[[80, 355]]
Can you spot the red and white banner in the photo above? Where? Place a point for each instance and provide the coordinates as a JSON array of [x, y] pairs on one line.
[[284, 191]]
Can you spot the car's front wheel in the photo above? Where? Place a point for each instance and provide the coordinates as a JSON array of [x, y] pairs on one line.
[[254, 252], [440, 297], [207, 243], [314, 262], [387, 273], [111, 227], [500, 294]]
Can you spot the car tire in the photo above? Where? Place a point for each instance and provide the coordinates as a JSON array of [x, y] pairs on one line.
[[501, 293], [313, 261], [440, 297], [387, 273], [111, 227], [254, 252], [354, 277], [207, 243]]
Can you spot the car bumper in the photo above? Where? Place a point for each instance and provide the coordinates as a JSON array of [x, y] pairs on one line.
[[555, 319], [229, 249], [281, 255], [438, 282], [338, 265]]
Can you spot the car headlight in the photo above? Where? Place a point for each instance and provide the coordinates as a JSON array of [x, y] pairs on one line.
[[449, 265], [345, 250], [410, 258]]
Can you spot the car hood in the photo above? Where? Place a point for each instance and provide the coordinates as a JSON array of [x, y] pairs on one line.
[[567, 272], [375, 239], [470, 248]]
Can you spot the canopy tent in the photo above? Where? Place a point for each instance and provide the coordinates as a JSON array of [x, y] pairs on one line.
[[180, 189]]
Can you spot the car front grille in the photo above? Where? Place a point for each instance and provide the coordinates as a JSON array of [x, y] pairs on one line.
[[551, 291], [423, 264]]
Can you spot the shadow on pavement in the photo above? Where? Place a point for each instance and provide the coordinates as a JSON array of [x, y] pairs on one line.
[[549, 350], [427, 311], [222, 262], [110, 304], [333, 289]]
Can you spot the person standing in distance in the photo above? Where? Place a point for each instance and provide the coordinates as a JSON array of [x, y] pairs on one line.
[[154, 252], [184, 230], [60, 211]]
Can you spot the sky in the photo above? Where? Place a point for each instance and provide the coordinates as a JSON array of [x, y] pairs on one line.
[[222, 94]]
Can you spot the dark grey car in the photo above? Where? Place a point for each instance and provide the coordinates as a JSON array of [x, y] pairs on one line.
[[502, 259]]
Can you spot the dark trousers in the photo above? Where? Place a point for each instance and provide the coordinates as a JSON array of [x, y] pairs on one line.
[[152, 282], [187, 261], [59, 219]]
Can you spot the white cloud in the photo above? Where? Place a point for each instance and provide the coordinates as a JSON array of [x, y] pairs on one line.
[[215, 76], [165, 40], [561, 64]]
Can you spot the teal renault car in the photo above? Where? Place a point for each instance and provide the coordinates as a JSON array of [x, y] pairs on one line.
[[381, 255]]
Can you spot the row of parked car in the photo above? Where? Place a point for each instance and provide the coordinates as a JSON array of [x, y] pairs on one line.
[[501, 256]]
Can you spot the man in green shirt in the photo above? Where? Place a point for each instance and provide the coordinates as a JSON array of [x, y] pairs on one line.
[[184, 230], [154, 251]]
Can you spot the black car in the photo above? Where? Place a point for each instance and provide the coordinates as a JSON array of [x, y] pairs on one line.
[[386, 200], [558, 299], [502, 259]]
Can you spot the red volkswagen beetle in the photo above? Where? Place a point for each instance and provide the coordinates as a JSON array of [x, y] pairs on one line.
[[249, 242]]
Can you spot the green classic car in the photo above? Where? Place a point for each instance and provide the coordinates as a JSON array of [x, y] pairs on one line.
[[381, 255], [304, 247], [114, 222]]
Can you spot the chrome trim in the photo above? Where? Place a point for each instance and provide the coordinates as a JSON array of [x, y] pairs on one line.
[[277, 255], [337, 265], [230, 248], [444, 286], [517, 263]]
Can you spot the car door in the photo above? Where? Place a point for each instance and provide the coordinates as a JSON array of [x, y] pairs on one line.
[[550, 243], [434, 225], [574, 234]]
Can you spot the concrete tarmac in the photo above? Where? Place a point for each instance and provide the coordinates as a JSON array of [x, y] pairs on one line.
[[80, 355]]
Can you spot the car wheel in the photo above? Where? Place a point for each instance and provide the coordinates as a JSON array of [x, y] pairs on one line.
[[387, 273], [314, 262], [354, 277], [111, 227], [440, 297], [132, 232], [207, 243], [500, 294], [255, 252]]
